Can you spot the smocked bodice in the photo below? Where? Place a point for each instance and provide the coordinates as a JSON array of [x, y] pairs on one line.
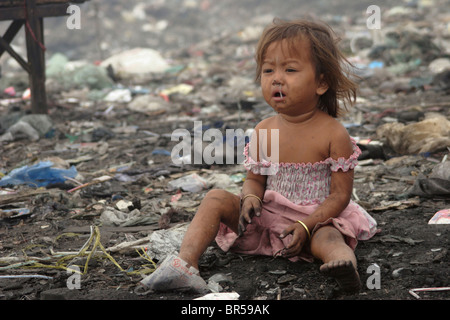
[[301, 183]]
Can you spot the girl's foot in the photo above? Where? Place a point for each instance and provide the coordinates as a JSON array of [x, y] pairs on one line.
[[345, 274]]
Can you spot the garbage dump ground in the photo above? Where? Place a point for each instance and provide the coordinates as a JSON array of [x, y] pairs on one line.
[[93, 183]]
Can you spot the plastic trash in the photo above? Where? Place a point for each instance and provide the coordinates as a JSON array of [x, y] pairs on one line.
[[163, 243], [41, 174], [90, 76], [220, 296], [41, 122], [20, 128], [191, 183], [14, 213], [56, 65], [161, 152], [10, 91], [181, 89], [113, 217], [175, 274], [376, 65], [441, 217], [439, 65], [26, 95], [65, 74], [430, 135], [437, 184], [136, 62], [371, 150], [32, 126], [148, 103], [221, 181], [119, 95]]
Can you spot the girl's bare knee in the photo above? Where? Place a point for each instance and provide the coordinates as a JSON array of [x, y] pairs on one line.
[[328, 234], [217, 194], [224, 203], [222, 197], [324, 237]]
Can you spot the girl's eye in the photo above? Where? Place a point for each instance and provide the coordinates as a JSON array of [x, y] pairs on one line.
[[267, 70], [290, 70]]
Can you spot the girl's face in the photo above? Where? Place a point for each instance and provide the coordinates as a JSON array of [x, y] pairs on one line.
[[288, 79]]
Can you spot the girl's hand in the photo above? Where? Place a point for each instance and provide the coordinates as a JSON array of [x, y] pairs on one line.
[[250, 206], [299, 238]]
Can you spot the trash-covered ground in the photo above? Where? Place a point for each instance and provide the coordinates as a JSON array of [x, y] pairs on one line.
[[96, 187]]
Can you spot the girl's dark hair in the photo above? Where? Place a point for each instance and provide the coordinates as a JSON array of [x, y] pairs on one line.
[[325, 55]]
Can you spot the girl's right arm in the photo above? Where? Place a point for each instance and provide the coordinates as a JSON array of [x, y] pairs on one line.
[[254, 184], [252, 193]]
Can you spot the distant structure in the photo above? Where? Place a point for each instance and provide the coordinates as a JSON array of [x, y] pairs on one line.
[[31, 14]]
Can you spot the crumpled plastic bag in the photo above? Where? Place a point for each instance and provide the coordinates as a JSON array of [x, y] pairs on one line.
[[436, 185], [135, 62], [38, 175], [429, 135], [117, 218], [33, 126], [166, 242], [192, 183]]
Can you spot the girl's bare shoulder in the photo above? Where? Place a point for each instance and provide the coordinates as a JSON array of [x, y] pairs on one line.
[[267, 123], [339, 139]]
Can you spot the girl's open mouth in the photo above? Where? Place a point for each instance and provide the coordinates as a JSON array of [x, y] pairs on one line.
[[278, 95]]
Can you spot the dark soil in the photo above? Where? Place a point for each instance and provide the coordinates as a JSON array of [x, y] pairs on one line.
[[408, 252]]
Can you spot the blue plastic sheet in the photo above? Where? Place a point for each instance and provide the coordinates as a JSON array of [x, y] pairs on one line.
[[38, 175]]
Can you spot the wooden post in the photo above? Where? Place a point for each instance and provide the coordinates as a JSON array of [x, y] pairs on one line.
[[36, 58]]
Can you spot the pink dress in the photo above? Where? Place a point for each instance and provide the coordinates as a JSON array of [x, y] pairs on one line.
[[293, 193]]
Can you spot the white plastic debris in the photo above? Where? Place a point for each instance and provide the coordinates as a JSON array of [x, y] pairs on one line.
[[220, 296]]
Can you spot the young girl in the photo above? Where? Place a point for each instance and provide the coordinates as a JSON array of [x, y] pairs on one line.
[[298, 206]]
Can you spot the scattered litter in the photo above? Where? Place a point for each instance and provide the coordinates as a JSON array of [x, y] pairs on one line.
[[165, 242], [14, 213], [441, 217], [38, 175], [394, 238], [21, 276], [278, 272], [436, 184], [286, 278], [136, 62], [397, 205], [119, 95], [192, 183], [415, 295], [220, 296], [113, 217], [148, 104], [94, 181], [60, 259], [429, 135], [221, 278], [32, 127], [124, 205]]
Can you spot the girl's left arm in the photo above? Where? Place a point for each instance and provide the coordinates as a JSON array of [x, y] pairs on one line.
[[340, 193]]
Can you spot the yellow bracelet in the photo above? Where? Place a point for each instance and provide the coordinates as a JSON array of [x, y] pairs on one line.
[[252, 195], [306, 228]]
